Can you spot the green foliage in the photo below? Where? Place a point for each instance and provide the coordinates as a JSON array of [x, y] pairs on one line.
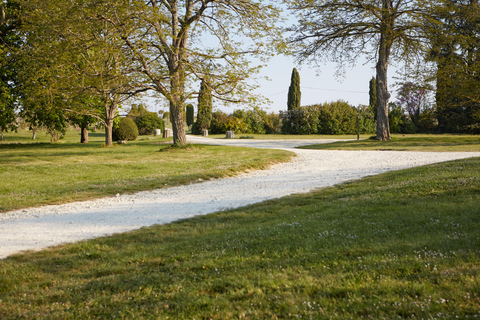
[[148, 122], [127, 130], [294, 94], [190, 113], [304, 120], [255, 120], [221, 123], [273, 123], [136, 110], [205, 105], [455, 50], [399, 121], [337, 118], [330, 118]]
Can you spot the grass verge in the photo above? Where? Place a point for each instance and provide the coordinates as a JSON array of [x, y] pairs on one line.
[[403, 244], [288, 136], [40, 173], [440, 143]]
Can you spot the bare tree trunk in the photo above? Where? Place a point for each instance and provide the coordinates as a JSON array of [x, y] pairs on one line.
[[178, 124], [110, 111], [108, 132], [386, 42], [3, 138], [84, 131], [383, 128], [84, 135], [34, 134]]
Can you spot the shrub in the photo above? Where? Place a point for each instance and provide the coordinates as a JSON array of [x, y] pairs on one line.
[[303, 120], [273, 124], [219, 119], [399, 121], [127, 130], [366, 120], [148, 122], [222, 123], [253, 118], [337, 118]]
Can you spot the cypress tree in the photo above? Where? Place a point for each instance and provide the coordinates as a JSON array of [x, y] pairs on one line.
[[294, 94], [190, 115], [372, 92], [204, 115]]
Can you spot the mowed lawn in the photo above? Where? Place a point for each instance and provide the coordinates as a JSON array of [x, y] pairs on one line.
[[39, 173], [401, 245], [409, 142]]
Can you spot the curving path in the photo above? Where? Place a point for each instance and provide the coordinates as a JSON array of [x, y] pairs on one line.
[[38, 228]]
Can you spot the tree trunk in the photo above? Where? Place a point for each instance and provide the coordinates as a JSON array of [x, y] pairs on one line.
[[110, 111], [108, 132], [386, 42], [84, 132], [34, 134], [2, 136], [178, 124], [84, 136]]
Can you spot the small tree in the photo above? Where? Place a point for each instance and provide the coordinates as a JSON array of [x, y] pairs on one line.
[[204, 115], [190, 115], [294, 94]]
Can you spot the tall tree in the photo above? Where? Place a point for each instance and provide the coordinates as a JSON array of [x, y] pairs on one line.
[[9, 42], [176, 43], [205, 106], [190, 115], [455, 44], [343, 30], [74, 51], [294, 94]]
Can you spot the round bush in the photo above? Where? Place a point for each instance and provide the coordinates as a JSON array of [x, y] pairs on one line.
[[127, 130]]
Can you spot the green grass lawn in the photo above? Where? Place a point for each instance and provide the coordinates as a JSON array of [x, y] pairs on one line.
[[403, 244], [39, 173], [288, 136], [442, 143]]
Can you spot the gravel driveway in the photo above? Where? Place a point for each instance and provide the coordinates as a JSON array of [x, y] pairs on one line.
[[38, 228]]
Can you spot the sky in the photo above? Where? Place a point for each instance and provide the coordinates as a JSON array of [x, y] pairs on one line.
[[316, 85]]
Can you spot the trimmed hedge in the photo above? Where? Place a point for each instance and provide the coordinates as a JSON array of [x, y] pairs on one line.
[[127, 130]]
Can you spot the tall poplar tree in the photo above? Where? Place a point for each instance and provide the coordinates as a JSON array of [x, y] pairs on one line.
[[294, 94], [190, 115], [205, 106]]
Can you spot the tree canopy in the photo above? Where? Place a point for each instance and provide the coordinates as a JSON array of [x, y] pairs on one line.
[[344, 30]]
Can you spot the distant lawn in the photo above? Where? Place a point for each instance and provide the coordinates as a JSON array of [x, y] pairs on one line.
[[440, 143], [288, 136], [38, 173], [403, 244]]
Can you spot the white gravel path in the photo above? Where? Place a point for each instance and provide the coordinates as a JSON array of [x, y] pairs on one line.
[[38, 228]]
